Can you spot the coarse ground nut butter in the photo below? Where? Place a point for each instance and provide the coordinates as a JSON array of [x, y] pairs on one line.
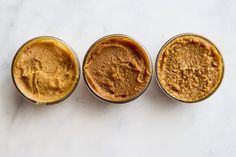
[[189, 68], [45, 70], [117, 68]]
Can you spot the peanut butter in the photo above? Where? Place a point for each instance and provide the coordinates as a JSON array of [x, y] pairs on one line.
[[45, 70], [189, 68], [117, 68]]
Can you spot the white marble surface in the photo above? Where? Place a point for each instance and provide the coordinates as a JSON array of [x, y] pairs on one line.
[[152, 125]]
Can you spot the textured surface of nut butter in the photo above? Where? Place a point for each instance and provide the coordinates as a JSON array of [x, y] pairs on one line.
[[117, 68], [189, 68], [45, 70]]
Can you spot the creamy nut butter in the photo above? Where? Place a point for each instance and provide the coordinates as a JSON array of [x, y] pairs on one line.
[[45, 70], [117, 68]]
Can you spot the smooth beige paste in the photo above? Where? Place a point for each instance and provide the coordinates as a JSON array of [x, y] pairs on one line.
[[190, 68], [45, 70], [117, 68]]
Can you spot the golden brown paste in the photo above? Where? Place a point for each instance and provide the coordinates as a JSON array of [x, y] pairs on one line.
[[117, 68], [45, 70], [189, 68]]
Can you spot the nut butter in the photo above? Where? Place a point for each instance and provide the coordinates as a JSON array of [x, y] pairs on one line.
[[189, 68], [117, 69], [45, 70]]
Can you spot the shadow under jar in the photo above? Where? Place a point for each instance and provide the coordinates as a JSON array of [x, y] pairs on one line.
[[189, 68], [117, 69], [45, 70]]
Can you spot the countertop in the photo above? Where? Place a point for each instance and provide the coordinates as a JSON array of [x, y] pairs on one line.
[[152, 125]]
